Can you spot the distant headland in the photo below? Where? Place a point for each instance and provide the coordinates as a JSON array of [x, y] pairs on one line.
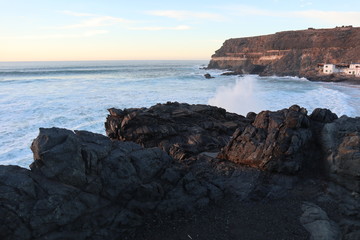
[[302, 53]]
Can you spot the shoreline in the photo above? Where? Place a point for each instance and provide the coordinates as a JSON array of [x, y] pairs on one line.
[[312, 78], [334, 78]]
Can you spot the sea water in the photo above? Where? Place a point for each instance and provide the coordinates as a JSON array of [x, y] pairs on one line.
[[76, 95]]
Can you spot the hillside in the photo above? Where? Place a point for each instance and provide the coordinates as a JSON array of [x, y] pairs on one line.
[[294, 53]]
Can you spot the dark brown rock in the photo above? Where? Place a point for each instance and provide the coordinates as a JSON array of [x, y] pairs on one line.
[[290, 53], [231, 73], [182, 130], [341, 143], [323, 115], [276, 141], [86, 186], [208, 76]]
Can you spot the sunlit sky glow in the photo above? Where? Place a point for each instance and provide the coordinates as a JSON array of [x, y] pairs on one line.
[[47, 30]]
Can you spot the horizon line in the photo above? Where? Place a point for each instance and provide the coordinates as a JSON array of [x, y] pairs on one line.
[[106, 60]]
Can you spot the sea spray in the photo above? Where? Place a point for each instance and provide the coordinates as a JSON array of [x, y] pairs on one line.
[[75, 95], [240, 98]]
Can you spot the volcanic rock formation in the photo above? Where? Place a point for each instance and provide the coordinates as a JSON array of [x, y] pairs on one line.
[[304, 176], [181, 130], [289, 53]]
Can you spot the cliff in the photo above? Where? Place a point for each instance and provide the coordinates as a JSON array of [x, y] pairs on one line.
[[292, 53]]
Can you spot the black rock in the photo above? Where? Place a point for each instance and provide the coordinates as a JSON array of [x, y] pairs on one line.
[[181, 130], [207, 75], [84, 185]]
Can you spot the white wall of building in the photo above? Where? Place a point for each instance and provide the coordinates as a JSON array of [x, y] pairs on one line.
[[330, 68], [354, 69]]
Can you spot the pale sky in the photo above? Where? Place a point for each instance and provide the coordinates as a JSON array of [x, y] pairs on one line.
[[47, 30]]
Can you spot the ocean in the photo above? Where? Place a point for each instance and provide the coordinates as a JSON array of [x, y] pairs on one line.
[[76, 95]]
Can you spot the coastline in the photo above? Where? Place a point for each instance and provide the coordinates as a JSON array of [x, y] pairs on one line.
[[312, 78], [333, 78], [236, 174]]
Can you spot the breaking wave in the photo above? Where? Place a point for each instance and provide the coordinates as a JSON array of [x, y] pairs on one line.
[[240, 97]]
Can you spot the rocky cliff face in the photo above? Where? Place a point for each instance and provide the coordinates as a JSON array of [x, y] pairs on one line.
[[294, 53]]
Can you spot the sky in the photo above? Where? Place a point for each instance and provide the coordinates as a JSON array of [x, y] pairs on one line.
[[67, 30]]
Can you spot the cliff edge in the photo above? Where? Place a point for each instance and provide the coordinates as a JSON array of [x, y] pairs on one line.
[[289, 53]]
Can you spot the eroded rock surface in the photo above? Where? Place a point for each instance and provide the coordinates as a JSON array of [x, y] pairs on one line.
[[341, 143], [182, 130], [87, 186], [290, 53], [275, 141]]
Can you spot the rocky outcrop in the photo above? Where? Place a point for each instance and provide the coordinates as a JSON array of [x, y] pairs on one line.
[[182, 130], [208, 76], [289, 140], [83, 185], [276, 141], [341, 142], [289, 53], [285, 141]]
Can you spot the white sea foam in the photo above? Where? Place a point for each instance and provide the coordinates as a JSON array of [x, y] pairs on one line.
[[239, 97], [254, 93], [75, 95]]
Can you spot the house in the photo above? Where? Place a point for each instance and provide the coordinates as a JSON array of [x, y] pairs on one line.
[[348, 69], [330, 69], [354, 69]]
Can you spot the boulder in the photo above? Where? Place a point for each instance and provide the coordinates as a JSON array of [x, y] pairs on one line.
[[87, 186], [84, 185], [318, 224], [208, 76], [341, 143], [323, 115], [181, 130], [275, 141]]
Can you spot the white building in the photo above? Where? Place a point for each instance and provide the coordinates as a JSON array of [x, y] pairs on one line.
[[348, 69], [330, 68], [354, 69]]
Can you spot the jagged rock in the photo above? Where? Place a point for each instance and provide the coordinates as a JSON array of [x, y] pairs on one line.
[[53, 162], [78, 176], [323, 115], [276, 141], [182, 130], [341, 142], [86, 186], [208, 76], [231, 73], [251, 116]]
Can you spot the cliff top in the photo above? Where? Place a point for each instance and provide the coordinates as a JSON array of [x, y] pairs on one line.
[[310, 30]]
